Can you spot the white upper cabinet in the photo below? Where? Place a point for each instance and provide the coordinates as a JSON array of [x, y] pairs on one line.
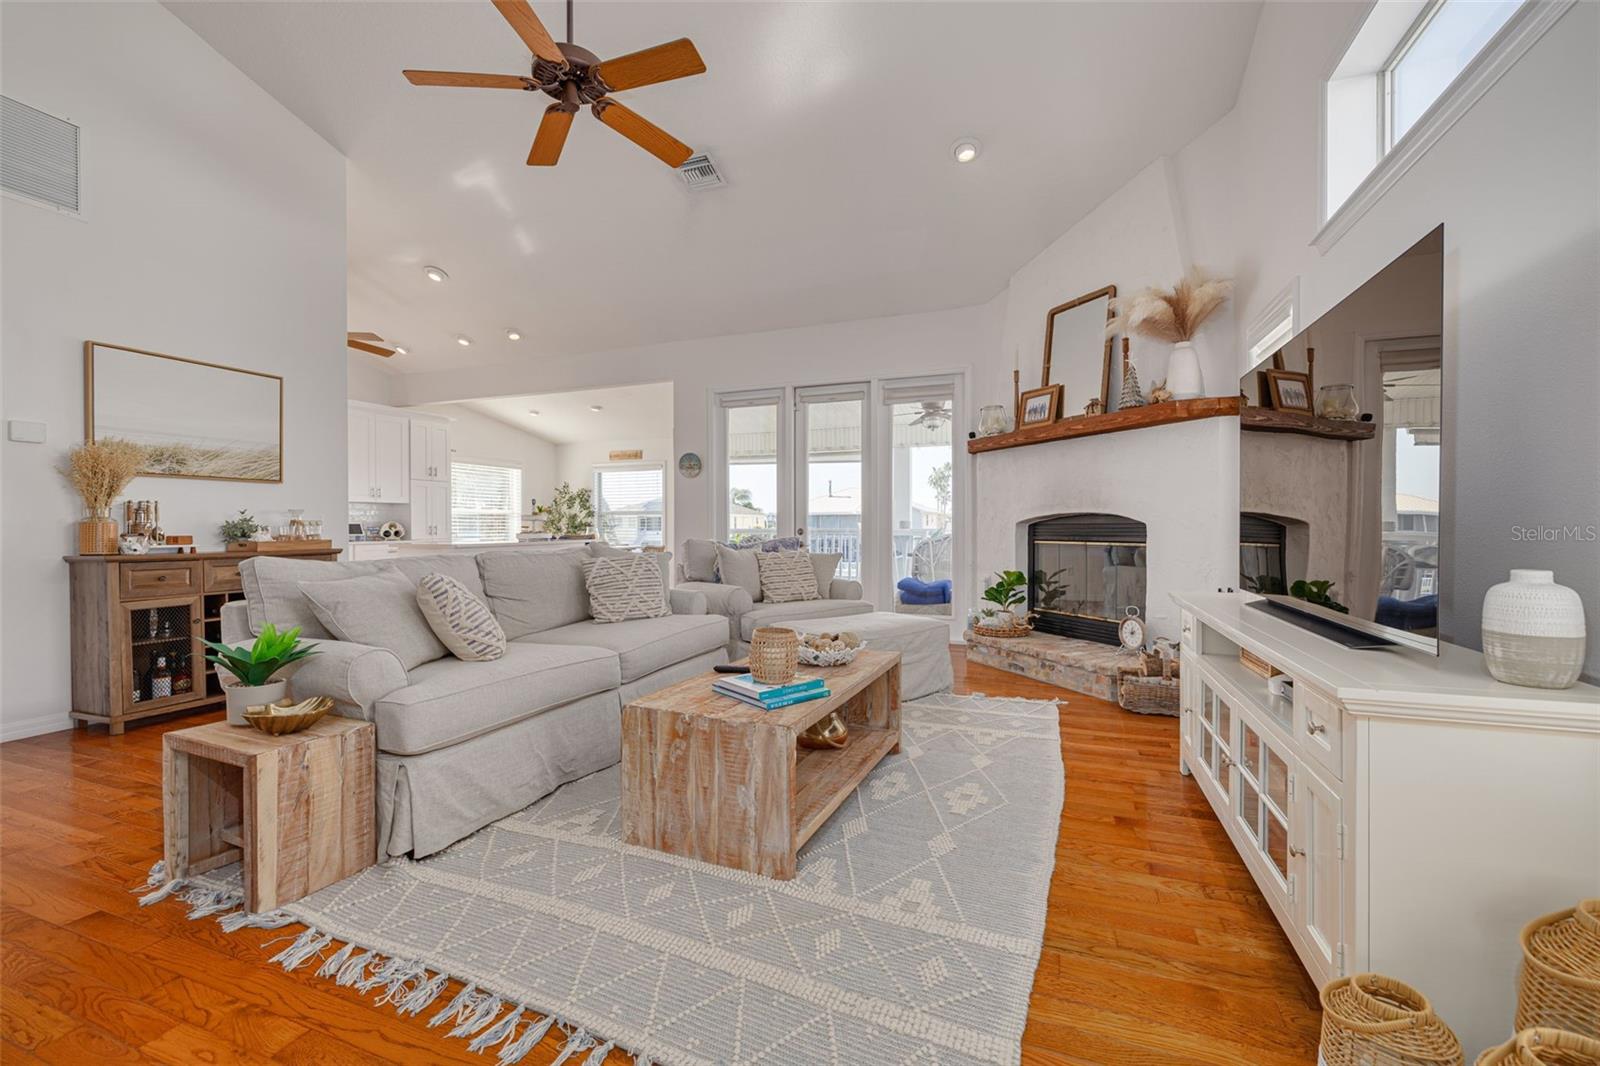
[[430, 451], [379, 456]]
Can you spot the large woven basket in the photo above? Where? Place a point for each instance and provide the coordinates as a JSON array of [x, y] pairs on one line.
[[1372, 1020], [1544, 1047], [774, 655], [1559, 986]]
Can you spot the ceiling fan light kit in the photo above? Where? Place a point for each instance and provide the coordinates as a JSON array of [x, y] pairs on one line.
[[575, 77]]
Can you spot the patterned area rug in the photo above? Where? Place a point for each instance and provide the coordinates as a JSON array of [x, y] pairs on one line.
[[910, 934]]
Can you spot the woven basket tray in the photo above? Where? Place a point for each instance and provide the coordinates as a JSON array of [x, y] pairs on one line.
[[1148, 695], [1559, 986], [1544, 1047], [1372, 1020]]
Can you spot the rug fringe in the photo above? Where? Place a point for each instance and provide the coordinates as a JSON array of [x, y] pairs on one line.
[[497, 1033], [330, 968], [598, 1055], [243, 919], [459, 1007], [518, 1049], [483, 1012], [307, 944], [426, 992], [580, 1040]]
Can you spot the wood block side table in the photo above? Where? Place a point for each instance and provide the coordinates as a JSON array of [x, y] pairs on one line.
[[296, 811]]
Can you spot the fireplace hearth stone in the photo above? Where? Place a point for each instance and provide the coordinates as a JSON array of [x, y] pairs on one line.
[[1084, 666]]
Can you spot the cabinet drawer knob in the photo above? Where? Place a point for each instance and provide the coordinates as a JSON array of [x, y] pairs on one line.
[[1315, 728], [1296, 853]]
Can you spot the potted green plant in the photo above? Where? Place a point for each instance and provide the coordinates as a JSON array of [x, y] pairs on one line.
[[1001, 599], [238, 529], [1319, 593], [255, 670], [571, 513]]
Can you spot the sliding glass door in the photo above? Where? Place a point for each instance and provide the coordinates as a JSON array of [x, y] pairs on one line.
[[829, 493], [750, 475], [922, 495]]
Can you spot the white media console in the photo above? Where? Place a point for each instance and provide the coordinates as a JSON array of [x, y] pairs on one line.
[[1402, 813]]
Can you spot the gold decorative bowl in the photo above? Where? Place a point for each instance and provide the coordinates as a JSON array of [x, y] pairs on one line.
[[280, 719]]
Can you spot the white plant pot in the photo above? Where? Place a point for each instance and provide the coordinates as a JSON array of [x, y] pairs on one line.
[[1183, 373], [243, 697], [1533, 631]]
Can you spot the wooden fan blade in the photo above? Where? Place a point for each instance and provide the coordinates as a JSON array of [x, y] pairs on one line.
[[520, 14], [664, 62], [646, 134], [467, 81], [364, 336], [552, 135], [363, 346]]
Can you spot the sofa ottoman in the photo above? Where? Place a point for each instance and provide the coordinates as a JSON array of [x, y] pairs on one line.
[[923, 644]]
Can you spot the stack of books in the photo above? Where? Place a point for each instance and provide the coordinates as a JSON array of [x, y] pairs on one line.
[[770, 697]]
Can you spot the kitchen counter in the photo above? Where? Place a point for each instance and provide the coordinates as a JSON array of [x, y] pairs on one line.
[[382, 549]]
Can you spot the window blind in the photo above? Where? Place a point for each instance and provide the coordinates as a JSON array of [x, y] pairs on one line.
[[630, 506], [486, 502]]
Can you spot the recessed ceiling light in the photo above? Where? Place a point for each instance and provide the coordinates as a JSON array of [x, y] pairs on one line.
[[463, 340], [399, 349], [596, 407], [532, 412], [966, 149], [435, 273], [513, 335]]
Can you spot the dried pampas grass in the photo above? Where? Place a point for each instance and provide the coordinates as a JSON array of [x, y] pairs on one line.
[[1173, 316], [101, 469]]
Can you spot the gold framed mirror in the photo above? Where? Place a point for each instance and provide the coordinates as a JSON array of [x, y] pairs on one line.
[[1077, 350]]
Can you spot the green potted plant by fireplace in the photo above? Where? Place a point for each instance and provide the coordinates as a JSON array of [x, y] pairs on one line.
[[257, 672], [998, 611]]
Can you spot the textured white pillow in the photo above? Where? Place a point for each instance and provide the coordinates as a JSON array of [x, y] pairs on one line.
[[625, 587], [738, 566], [787, 577], [461, 621]]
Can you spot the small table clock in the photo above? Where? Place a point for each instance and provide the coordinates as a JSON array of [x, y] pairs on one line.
[[1131, 631]]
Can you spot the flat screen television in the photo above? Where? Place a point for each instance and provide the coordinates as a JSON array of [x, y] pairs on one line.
[[1339, 482]]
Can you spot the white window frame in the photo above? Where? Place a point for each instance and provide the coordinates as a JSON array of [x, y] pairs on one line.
[[457, 536], [666, 504], [1391, 162], [1274, 326], [721, 403]]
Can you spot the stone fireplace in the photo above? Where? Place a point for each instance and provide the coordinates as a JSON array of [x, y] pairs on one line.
[[1085, 572]]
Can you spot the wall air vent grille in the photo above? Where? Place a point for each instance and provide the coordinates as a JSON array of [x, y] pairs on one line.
[[699, 172], [39, 156]]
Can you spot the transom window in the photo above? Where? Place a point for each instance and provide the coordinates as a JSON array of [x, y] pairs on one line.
[[485, 502]]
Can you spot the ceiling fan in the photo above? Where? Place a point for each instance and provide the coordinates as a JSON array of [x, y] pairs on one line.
[[575, 76], [935, 413], [370, 343]]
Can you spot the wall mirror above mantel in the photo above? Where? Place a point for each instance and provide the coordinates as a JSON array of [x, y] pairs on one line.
[[1077, 350]]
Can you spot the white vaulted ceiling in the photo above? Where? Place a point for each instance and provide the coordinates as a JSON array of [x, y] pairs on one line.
[[832, 122]]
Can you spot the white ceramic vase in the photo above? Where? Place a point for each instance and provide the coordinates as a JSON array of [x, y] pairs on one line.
[[1183, 372], [1533, 631], [243, 697]]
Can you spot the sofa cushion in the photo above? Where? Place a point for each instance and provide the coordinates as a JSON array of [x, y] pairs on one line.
[[272, 585], [739, 566], [645, 645], [625, 587], [462, 622], [787, 576], [534, 589], [766, 614], [378, 610], [826, 564], [699, 560], [448, 701]]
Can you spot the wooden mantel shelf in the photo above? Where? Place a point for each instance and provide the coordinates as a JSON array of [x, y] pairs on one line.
[[1156, 414], [1266, 420]]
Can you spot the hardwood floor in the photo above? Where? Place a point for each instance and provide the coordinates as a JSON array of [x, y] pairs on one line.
[[1157, 948]]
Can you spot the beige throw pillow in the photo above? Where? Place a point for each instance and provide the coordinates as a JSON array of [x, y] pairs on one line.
[[787, 577], [460, 620], [738, 566], [826, 564], [378, 610], [625, 587]]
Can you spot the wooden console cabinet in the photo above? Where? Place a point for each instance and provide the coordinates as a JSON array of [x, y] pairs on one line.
[[1402, 813], [133, 613]]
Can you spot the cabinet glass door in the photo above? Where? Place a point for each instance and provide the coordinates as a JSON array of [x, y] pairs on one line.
[[165, 661], [1262, 809], [1215, 736]]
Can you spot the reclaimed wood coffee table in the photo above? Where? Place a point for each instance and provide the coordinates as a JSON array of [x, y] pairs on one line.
[[708, 777]]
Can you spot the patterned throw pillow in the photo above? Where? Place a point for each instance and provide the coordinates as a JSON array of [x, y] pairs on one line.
[[625, 587], [461, 621], [787, 576]]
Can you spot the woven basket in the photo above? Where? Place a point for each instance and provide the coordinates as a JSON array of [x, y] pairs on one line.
[[1148, 695], [1544, 1047], [1559, 986], [97, 536], [1372, 1020], [774, 655]]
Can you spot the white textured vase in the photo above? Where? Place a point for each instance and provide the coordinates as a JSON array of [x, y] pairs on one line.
[[1533, 631], [242, 697], [1183, 373]]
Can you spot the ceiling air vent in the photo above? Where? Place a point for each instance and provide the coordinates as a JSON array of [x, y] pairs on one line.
[[38, 156], [699, 172]]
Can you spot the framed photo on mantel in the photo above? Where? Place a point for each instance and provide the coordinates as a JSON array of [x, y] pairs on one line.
[[195, 419]]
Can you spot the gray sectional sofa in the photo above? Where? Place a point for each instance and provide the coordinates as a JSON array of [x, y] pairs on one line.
[[462, 744], [744, 608]]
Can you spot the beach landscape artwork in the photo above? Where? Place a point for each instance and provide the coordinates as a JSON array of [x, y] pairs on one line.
[[194, 419]]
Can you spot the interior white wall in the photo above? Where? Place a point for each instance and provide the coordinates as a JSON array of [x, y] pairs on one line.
[[215, 229], [368, 380], [1514, 182], [477, 436]]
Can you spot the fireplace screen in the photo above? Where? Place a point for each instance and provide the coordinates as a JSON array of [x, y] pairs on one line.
[[1085, 572]]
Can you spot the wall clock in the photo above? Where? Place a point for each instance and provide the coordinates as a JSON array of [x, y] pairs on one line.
[[689, 464], [1131, 631]]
